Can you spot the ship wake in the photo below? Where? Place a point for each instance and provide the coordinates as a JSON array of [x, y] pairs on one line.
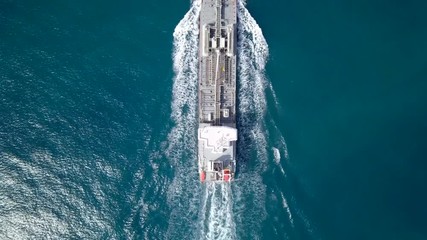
[[184, 192], [216, 213], [220, 211]]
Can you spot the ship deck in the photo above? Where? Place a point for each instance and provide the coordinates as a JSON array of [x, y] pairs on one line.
[[217, 89]]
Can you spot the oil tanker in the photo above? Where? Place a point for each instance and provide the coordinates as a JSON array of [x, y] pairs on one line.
[[217, 132]]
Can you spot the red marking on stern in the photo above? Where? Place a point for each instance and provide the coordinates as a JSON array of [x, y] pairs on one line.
[[202, 176], [227, 177]]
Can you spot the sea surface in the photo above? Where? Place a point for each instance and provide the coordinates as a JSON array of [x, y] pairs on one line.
[[98, 121]]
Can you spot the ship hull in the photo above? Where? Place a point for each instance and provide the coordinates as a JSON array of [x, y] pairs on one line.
[[217, 132]]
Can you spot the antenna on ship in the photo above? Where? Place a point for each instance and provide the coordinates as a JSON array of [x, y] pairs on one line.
[[218, 19]]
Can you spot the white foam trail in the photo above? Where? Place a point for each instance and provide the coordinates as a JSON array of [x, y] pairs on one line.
[[276, 154], [252, 57], [208, 207], [182, 138], [219, 221], [185, 83], [273, 93], [218, 208], [288, 210], [250, 193], [282, 143], [277, 158], [184, 191]]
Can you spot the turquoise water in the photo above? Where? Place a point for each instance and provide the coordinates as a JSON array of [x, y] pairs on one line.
[[97, 122]]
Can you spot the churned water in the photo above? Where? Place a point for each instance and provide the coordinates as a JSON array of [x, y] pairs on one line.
[[98, 122]]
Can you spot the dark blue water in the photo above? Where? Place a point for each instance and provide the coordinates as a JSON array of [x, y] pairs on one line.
[[97, 122]]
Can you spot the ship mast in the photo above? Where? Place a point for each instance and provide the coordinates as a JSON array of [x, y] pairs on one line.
[[218, 19]]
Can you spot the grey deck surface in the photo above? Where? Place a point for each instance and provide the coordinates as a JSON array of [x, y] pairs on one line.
[[217, 86]]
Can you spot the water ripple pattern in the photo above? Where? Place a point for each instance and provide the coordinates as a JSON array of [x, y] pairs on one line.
[[184, 191]]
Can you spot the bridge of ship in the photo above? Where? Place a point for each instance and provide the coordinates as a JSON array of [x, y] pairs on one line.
[[217, 151]]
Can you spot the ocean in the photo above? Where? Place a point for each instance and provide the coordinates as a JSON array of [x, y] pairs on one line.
[[98, 122]]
